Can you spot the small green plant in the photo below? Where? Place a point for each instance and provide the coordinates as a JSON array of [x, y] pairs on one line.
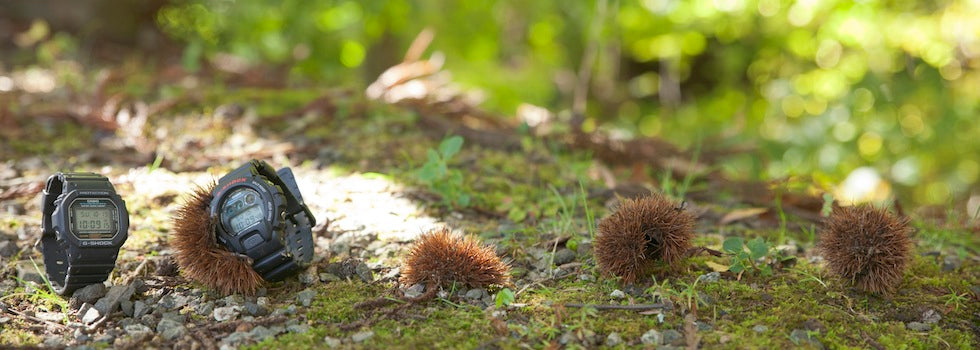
[[743, 259], [440, 178], [504, 297], [690, 294], [956, 300]]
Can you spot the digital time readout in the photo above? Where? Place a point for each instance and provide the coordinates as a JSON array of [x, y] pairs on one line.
[[243, 210], [93, 219]]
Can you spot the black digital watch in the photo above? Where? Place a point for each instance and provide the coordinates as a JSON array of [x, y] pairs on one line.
[[260, 213], [83, 226]]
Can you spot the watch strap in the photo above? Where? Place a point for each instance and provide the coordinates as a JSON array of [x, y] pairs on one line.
[[64, 274]]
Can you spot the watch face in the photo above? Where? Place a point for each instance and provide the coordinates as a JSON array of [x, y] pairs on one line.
[[242, 210], [93, 218]]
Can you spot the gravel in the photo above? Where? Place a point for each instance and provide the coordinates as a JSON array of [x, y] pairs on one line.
[[613, 339], [710, 277], [170, 329], [88, 294], [414, 291], [91, 315], [113, 297], [8, 249], [476, 293], [918, 326], [140, 309], [673, 337], [564, 256], [328, 277], [309, 276], [226, 313], [931, 317], [360, 337], [364, 273], [305, 297], [331, 342], [253, 309], [760, 328], [127, 307], [800, 336], [951, 263], [617, 294], [652, 337], [137, 330]]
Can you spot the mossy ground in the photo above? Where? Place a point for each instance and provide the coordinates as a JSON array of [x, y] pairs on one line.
[[523, 198]]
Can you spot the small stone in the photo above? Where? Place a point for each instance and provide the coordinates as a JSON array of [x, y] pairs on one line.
[[931, 317], [53, 342], [204, 309], [414, 291], [361, 336], [91, 315], [364, 272], [88, 294], [617, 294], [918, 326], [139, 286], [226, 313], [8, 249], [113, 297], [564, 256], [652, 337], [167, 302], [261, 292], [80, 337], [613, 339], [137, 330], [586, 277], [566, 338], [127, 307], [140, 309], [800, 336], [328, 277], [331, 342], [710, 277], [703, 326], [951, 263], [253, 309], [261, 332], [27, 273], [234, 299], [760, 328], [170, 329], [298, 328], [51, 316], [476, 293], [309, 276], [673, 337], [305, 297]]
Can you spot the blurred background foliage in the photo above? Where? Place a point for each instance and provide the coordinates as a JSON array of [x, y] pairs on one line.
[[870, 99]]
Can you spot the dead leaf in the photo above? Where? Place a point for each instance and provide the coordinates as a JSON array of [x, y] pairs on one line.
[[716, 266], [741, 214]]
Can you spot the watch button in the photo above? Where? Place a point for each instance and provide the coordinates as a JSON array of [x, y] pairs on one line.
[[252, 241]]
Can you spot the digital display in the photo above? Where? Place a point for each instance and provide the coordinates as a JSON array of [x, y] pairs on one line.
[[93, 219], [243, 209]]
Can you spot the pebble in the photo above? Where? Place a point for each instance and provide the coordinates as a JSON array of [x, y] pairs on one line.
[[364, 272], [617, 294], [918, 326], [254, 309], [204, 309], [140, 309], [51, 316], [309, 276], [226, 313], [8, 249], [652, 337], [113, 297], [88, 294], [931, 317], [586, 277], [91, 315], [613, 339], [951, 263], [305, 297], [710, 277], [703, 326], [331, 342], [760, 328], [673, 337], [414, 291], [27, 273], [127, 307], [476, 293], [137, 330], [261, 332], [298, 328], [170, 329], [564, 256], [328, 277], [361, 336], [800, 336]]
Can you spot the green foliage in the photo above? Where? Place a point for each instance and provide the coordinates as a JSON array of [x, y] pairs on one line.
[[504, 297], [439, 177], [954, 300], [745, 259]]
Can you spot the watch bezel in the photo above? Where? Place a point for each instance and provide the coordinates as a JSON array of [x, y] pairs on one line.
[[61, 219], [273, 211]]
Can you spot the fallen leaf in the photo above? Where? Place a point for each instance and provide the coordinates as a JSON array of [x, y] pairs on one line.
[[716, 266], [741, 214]]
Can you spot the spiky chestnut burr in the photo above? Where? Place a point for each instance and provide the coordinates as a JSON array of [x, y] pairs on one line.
[[200, 257], [441, 258], [641, 233], [867, 246]]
